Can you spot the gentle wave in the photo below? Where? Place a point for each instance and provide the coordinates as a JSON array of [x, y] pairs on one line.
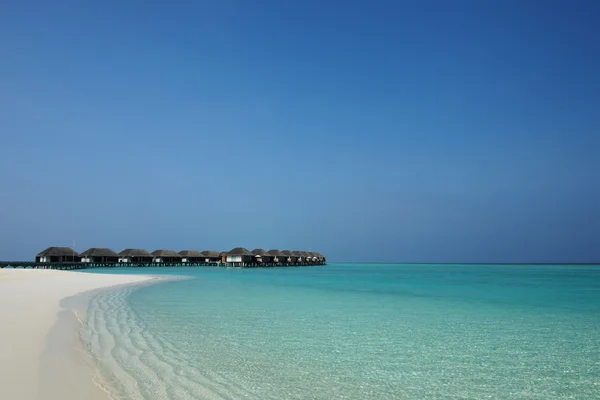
[[135, 363], [291, 334]]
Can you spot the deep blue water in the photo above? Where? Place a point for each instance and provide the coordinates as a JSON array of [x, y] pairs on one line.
[[352, 331]]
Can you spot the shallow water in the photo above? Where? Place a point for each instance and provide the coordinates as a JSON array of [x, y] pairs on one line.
[[352, 331]]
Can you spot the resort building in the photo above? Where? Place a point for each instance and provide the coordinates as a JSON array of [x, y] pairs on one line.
[[321, 258], [261, 257], [306, 257], [211, 257], [68, 258], [99, 255], [58, 254], [239, 257], [315, 256], [135, 256], [191, 256], [296, 257], [309, 256], [288, 259], [165, 256], [278, 258]]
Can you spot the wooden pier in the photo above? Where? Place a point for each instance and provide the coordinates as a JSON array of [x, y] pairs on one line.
[[66, 258], [86, 265], [89, 265]]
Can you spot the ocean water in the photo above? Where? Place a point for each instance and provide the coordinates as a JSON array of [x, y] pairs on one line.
[[351, 331]]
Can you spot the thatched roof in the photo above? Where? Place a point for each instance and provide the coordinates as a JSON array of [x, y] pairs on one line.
[[211, 254], [305, 254], [190, 253], [99, 252], [296, 253], [165, 253], [239, 251], [260, 252], [286, 253], [135, 253], [275, 253], [58, 251]]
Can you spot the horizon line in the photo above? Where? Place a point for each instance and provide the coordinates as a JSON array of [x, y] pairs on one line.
[[463, 263]]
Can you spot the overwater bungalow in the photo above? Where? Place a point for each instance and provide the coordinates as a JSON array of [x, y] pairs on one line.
[[315, 257], [297, 257], [211, 257], [57, 254], [261, 257], [165, 256], [99, 255], [306, 257], [137, 256], [240, 257], [68, 258], [288, 258], [321, 258], [191, 256], [278, 258]]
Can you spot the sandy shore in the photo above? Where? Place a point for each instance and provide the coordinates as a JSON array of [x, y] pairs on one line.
[[29, 312]]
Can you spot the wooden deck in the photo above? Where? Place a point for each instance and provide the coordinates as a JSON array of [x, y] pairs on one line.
[[85, 265]]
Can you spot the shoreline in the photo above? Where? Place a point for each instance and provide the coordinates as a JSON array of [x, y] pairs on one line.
[[42, 356], [74, 314]]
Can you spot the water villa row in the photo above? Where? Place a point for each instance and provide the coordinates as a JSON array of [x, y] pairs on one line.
[[68, 258]]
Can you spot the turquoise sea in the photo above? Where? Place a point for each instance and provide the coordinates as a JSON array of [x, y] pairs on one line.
[[351, 331]]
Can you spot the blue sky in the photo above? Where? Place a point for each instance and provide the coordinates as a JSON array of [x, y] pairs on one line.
[[432, 131]]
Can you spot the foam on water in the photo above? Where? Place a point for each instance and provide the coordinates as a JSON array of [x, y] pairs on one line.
[[352, 332]]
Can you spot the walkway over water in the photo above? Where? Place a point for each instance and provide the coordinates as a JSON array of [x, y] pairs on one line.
[[87, 265]]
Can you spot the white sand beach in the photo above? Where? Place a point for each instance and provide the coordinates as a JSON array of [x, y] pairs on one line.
[[29, 311]]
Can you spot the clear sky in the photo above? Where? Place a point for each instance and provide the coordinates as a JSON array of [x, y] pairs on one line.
[[431, 131]]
